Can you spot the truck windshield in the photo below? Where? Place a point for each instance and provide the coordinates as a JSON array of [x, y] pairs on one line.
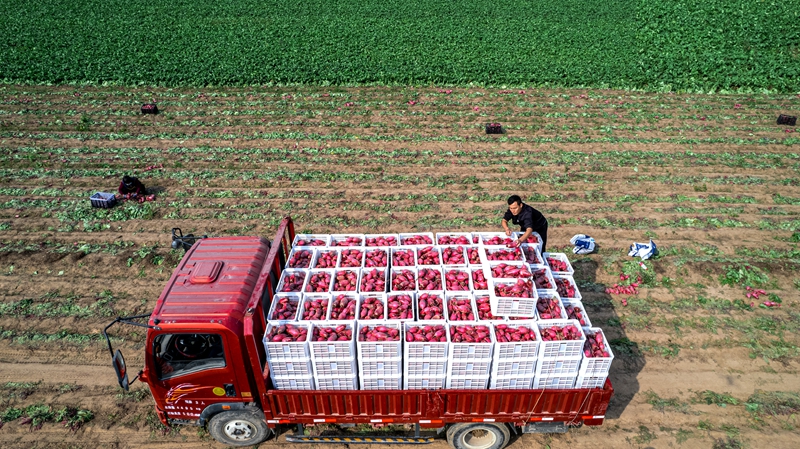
[[179, 354]]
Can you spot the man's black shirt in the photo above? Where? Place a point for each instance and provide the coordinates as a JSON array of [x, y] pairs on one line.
[[527, 218]]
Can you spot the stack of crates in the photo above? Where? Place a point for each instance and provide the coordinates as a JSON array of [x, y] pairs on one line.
[[594, 370], [559, 361], [470, 363], [380, 363], [514, 362], [425, 362], [289, 362], [334, 362]]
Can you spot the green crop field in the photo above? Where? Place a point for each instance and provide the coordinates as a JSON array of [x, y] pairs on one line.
[[707, 45]]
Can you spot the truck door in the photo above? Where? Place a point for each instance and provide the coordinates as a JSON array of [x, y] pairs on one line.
[[193, 371]]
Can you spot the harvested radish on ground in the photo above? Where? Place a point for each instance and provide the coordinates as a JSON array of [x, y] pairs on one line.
[[479, 280], [428, 256], [549, 308], [453, 255], [459, 240], [557, 265], [521, 289], [351, 258], [456, 280], [373, 281], [338, 333], [316, 309], [310, 242], [430, 279], [558, 333], [431, 307], [428, 333], [498, 241], [404, 280], [379, 333], [346, 281], [507, 334], [300, 259], [503, 254], [510, 271], [319, 282], [376, 258], [349, 241], [403, 258], [381, 241], [565, 288], [372, 309], [400, 307], [288, 333], [474, 256], [326, 259], [460, 309], [594, 346], [531, 256], [343, 308], [541, 280], [416, 240], [470, 334], [285, 309], [293, 282], [575, 313], [485, 309]]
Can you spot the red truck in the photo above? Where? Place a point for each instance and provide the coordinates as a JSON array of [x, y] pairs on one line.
[[205, 365]]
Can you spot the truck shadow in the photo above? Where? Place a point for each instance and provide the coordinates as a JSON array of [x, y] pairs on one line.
[[628, 359]]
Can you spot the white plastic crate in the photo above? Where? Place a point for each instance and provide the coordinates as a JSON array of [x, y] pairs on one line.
[[588, 381], [514, 367], [416, 239], [425, 350], [571, 281], [468, 383], [294, 299], [597, 366], [516, 350], [511, 306], [382, 383], [548, 295], [464, 285], [477, 367], [311, 297], [473, 255], [534, 239], [351, 258], [297, 250], [489, 269], [380, 367], [489, 317], [316, 275], [542, 273], [384, 240], [380, 349], [449, 238], [465, 297], [532, 254], [299, 367], [485, 237], [395, 296], [562, 258], [338, 287], [471, 351], [336, 297], [362, 283], [423, 277], [410, 251], [561, 348], [558, 367], [454, 256], [424, 382], [364, 309], [335, 368], [338, 240], [292, 350], [475, 288], [554, 382], [330, 350], [307, 240], [368, 264], [430, 298], [578, 306], [337, 383], [293, 382], [292, 272], [425, 368], [491, 254], [397, 270], [326, 263], [510, 382], [429, 256]]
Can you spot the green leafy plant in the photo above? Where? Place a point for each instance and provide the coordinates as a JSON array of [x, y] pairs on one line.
[[746, 275]]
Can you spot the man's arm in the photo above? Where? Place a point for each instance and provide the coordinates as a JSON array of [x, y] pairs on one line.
[[524, 237], [505, 227]]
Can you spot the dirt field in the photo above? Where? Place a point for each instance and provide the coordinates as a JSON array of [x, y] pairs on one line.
[[712, 179]]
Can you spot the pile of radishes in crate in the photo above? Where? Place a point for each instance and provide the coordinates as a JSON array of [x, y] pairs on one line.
[[418, 311]]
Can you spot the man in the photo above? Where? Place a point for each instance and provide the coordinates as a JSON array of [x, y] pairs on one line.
[[529, 220], [131, 185]]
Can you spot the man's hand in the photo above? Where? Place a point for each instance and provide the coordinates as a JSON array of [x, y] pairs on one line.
[[508, 231]]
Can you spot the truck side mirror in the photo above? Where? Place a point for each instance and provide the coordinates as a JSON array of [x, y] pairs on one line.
[[122, 371]]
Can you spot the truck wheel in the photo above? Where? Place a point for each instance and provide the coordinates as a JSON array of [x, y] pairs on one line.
[[238, 428], [478, 436]]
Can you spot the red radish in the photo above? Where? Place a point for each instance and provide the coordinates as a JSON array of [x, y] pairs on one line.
[[559, 333], [403, 280], [288, 333], [315, 309], [372, 309], [470, 334], [338, 333], [347, 241], [479, 280], [373, 281], [403, 258], [475, 239], [498, 241], [351, 258], [430, 307], [460, 309], [429, 279], [447, 240], [400, 307], [319, 282], [346, 281], [453, 255], [457, 280], [595, 346], [541, 280], [379, 333], [506, 271], [485, 308], [557, 265], [520, 289], [532, 239], [376, 258], [327, 259], [300, 259], [416, 240], [426, 333], [566, 289], [381, 241], [293, 282], [575, 313], [310, 242], [285, 309], [549, 308], [531, 256], [505, 333], [504, 254], [474, 256], [343, 308], [428, 256]]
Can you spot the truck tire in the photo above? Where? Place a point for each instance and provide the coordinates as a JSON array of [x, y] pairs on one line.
[[238, 428], [478, 435]]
